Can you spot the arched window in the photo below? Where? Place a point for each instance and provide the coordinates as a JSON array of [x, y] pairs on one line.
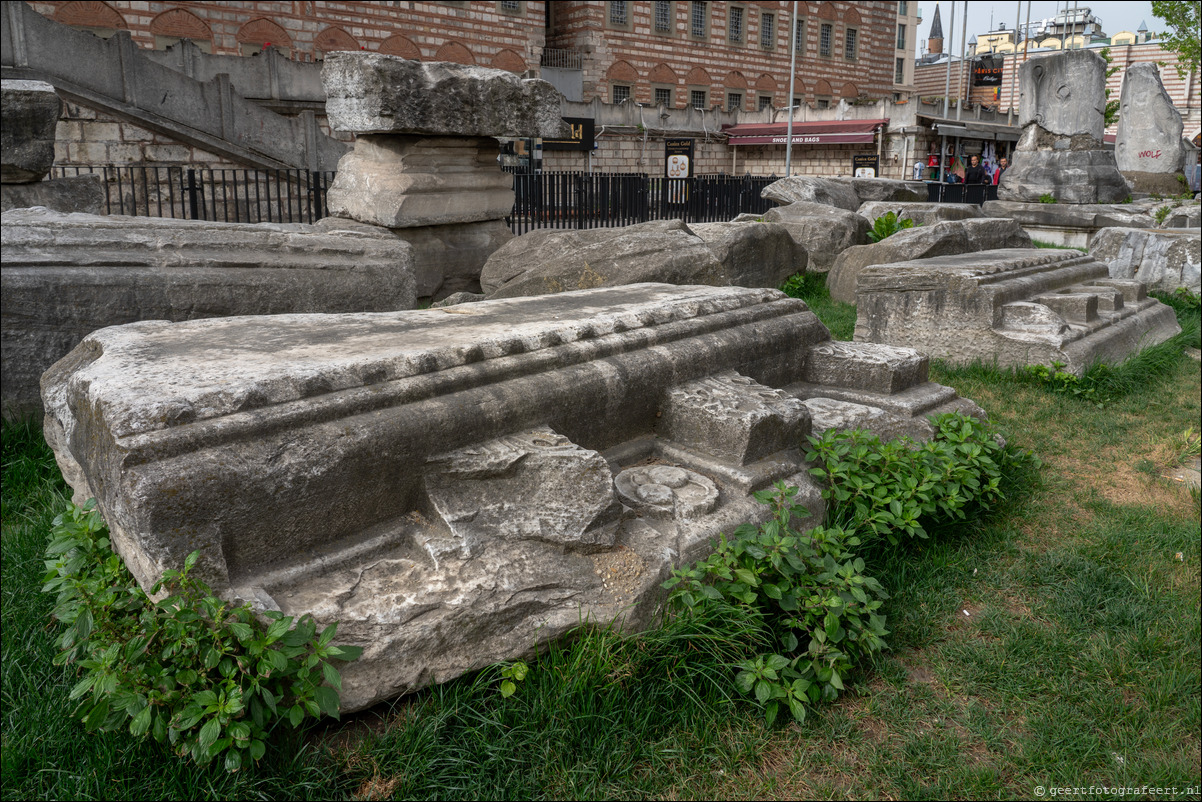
[[259, 33], [98, 18], [171, 26]]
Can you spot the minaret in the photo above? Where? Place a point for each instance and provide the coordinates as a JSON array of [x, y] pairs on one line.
[[935, 39]]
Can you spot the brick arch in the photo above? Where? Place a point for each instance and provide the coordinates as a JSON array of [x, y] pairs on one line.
[[735, 80], [849, 91], [622, 71], [508, 60], [851, 17], [698, 77], [826, 11], [397, 45], [663, 74], [822, 88], [182, 25], [803, 9], [456, 52], [332, 39], [765, 83], [260, 31], [799, 89], [90, 15]]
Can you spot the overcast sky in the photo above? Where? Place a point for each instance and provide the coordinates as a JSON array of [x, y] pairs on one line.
[[1116, 16]]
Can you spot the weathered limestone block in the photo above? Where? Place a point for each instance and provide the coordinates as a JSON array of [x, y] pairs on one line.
[[754, 254], [940, 239], [1164, 260], [1186, 216], [447, 259], [1061, 108], [824, 231], [888, 190], [1074, 225], [455, 486], [402, 182], [65, 275], [31, 110], [827, 191], [733, 418], [551, 260], [923, 214], [1147, 143], [373, 93], [1064, 94], [76, 193], [1015, 306]]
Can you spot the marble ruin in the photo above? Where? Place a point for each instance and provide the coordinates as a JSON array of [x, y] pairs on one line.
[[31, 111], [1148, 148], [457, 486], [66, 275], [1061, 154], [1014, 306], [1164, 260], [425, 158]]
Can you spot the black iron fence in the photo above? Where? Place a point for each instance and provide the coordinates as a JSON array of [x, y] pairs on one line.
[[601, 200], [960, 193], [226, 195], [542, 200]]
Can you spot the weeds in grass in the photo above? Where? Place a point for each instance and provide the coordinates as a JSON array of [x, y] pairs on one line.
[[838, 317]]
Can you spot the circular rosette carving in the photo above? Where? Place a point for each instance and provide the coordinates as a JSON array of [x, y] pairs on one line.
[[665, 491]]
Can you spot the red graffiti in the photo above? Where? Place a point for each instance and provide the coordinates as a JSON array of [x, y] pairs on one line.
[[1149, 154]]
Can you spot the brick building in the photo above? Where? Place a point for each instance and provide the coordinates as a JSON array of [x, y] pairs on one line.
[[728, 60]]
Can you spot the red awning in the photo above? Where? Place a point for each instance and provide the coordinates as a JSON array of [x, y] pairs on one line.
[[823, 133]]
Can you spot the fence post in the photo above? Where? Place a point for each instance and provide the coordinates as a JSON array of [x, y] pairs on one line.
[[193, 205]]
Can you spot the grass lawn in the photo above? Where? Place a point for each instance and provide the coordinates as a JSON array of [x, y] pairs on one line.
[[1055, 644]]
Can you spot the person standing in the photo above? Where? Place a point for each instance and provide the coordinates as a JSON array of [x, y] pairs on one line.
[[997, 174], [976, 174]]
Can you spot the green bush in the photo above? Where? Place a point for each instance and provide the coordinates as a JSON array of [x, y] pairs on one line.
[[190, 670], [887, 225], [813, 594], [820, 608], [1047, 197]]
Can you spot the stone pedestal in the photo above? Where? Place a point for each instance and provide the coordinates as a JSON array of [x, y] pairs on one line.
[[406, 181], [1061, 153], [425, 156], [31, 110]]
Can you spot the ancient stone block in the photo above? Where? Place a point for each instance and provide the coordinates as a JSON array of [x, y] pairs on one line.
[[877, 368], [1012, 306], [887, 190], [923, 214], [754, 254], [827, 191], [1164, 260], [824, 231], [1061, 106], [31, 110], [556, 260], [959, 236], [404, 182], [373, 93], [455, 486], [1148, 137], [65, 275], [77, 193], [735, 418], [1064, 93]]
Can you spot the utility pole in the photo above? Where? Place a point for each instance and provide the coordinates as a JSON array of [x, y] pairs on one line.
[[792, 73]]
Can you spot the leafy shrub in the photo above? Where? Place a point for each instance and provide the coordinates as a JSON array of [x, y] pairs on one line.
[[820, 609], [896, 490], [1058, 380], [190, 670], [1047, 197], [887, 225], [1162, 213], [813, 594]]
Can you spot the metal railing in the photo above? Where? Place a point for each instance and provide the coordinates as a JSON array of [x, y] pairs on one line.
[[960, 193], [559, 58], [202, 193], [603, 200]]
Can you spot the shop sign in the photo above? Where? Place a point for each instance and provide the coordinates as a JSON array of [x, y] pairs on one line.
[[866, 166], [678, 158], [987, 71], [582, 136]]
